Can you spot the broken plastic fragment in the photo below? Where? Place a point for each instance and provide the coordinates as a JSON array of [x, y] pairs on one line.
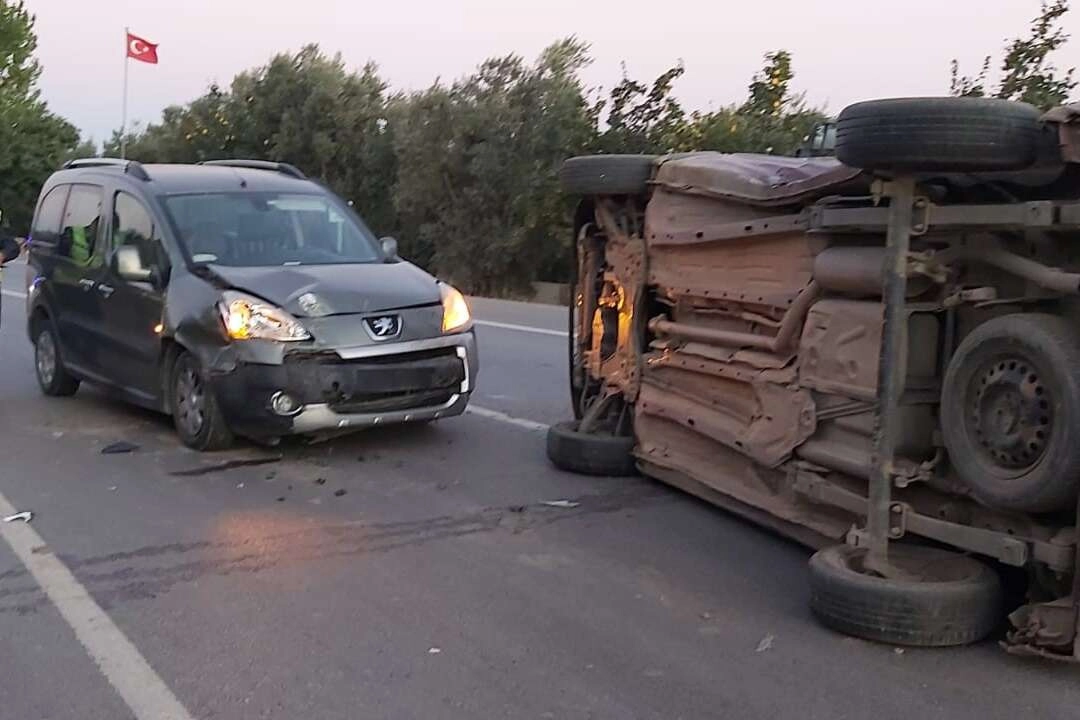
[[25, 516], [765, 644], [561, 503]]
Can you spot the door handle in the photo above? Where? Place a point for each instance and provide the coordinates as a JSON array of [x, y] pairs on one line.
[[105, 290], [86, 283]]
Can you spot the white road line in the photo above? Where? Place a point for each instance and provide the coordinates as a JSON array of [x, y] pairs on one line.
[[504, 418], [12, 293], [523, 328], [116, 657]]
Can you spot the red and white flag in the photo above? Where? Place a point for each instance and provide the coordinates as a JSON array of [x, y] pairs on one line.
[[141, 50]]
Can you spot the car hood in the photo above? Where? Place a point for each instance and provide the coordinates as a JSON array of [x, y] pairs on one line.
[[337, 289]]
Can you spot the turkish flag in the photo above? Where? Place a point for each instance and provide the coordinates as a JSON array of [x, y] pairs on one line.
[[141, 50]]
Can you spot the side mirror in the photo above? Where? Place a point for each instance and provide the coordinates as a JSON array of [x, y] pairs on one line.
[[389, 247], [129, 266]]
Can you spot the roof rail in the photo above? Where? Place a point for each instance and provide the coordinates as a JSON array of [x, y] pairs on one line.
[[284, 168], [131, 167]]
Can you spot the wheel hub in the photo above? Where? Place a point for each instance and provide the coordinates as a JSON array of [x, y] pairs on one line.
[[46, 357], [1010, 414]]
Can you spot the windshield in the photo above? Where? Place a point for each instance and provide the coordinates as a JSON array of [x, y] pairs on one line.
[[253, 229]]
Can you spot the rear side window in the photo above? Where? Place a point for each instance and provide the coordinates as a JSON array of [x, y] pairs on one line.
[[133, 225], [82, 221], [46, 228]]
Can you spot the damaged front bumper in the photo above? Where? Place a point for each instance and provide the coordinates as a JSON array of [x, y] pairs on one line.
[[350, 387]]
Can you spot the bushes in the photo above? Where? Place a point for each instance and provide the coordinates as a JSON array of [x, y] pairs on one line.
[[464, 174]]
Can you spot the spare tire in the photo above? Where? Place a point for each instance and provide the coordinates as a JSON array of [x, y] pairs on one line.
[[944, 598], [589, 453], [1010, 412], [607, 174], [955, 134]]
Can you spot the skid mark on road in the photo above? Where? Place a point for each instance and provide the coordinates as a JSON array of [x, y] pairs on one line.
[[144, 692], [145, 572]]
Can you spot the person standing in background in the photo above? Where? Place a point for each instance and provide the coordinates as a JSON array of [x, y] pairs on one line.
[[9, 248]]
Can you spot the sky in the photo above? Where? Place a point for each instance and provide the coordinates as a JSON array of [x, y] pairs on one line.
[[843, 50]]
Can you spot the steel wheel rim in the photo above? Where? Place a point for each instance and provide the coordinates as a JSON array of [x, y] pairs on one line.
[[190, 400], [1009, 414], [45, 357]]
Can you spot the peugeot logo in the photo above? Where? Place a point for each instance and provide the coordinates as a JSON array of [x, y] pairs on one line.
[[383, 327]]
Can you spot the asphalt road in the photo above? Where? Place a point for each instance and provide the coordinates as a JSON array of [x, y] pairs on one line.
[[436, 586]]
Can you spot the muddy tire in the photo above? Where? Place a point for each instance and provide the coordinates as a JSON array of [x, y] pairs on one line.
[[590, 454], [1010, 412], [938, 134], [957, 601], [53, 378], [607, 174], [195, 410]]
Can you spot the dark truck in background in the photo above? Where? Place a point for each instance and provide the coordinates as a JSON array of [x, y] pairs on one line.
[[877, 354]]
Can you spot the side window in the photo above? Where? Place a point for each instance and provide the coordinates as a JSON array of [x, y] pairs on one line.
[[46, 230], [133, 226], [82, 221]]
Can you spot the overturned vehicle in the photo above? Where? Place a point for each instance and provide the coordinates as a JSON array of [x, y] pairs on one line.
[[876, 354]]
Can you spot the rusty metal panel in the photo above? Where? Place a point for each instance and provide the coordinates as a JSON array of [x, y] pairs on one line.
[[762, 420], [751, 178], [665, 444], [841, 341]]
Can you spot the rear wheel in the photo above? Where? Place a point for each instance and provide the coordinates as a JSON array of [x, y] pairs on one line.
[[938, 598], [196, 414], [956, 134], [52, 376]]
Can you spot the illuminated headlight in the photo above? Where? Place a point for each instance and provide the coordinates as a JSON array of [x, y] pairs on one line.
[[249, 318], [455, 314]]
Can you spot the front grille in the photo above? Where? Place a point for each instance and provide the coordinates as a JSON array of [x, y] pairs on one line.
[[383, 383]]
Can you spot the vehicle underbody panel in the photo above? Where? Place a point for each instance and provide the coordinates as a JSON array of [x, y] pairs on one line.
[[743, 320]]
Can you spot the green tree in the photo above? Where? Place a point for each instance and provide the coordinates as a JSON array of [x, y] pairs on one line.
[[33, 141], [772, 119], [478, 161], [1028, 75]]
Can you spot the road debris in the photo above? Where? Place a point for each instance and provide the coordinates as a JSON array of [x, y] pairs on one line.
[[281, 499], [898, 651], [112, 488], [516, 508], [766, 643], [565, 504], [339, 493], [320, 481], [434, 651], [239, 486], [25, 516], [57, 434], [120, 447]]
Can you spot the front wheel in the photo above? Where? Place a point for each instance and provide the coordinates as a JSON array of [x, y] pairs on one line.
[[52, 376], [196, 413]]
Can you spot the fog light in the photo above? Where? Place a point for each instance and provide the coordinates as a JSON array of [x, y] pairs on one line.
[[284, 404]]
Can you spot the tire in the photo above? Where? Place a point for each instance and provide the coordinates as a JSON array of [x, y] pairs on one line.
[[607, 174], [938, 134], [957, 602], [53, 378], [589, 454], [1010, 412], [195, 410]]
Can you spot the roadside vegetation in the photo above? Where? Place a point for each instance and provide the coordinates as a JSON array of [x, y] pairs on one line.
[[463, 173]]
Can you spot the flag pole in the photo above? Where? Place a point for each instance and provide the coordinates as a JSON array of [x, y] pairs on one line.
[[123, 114]]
